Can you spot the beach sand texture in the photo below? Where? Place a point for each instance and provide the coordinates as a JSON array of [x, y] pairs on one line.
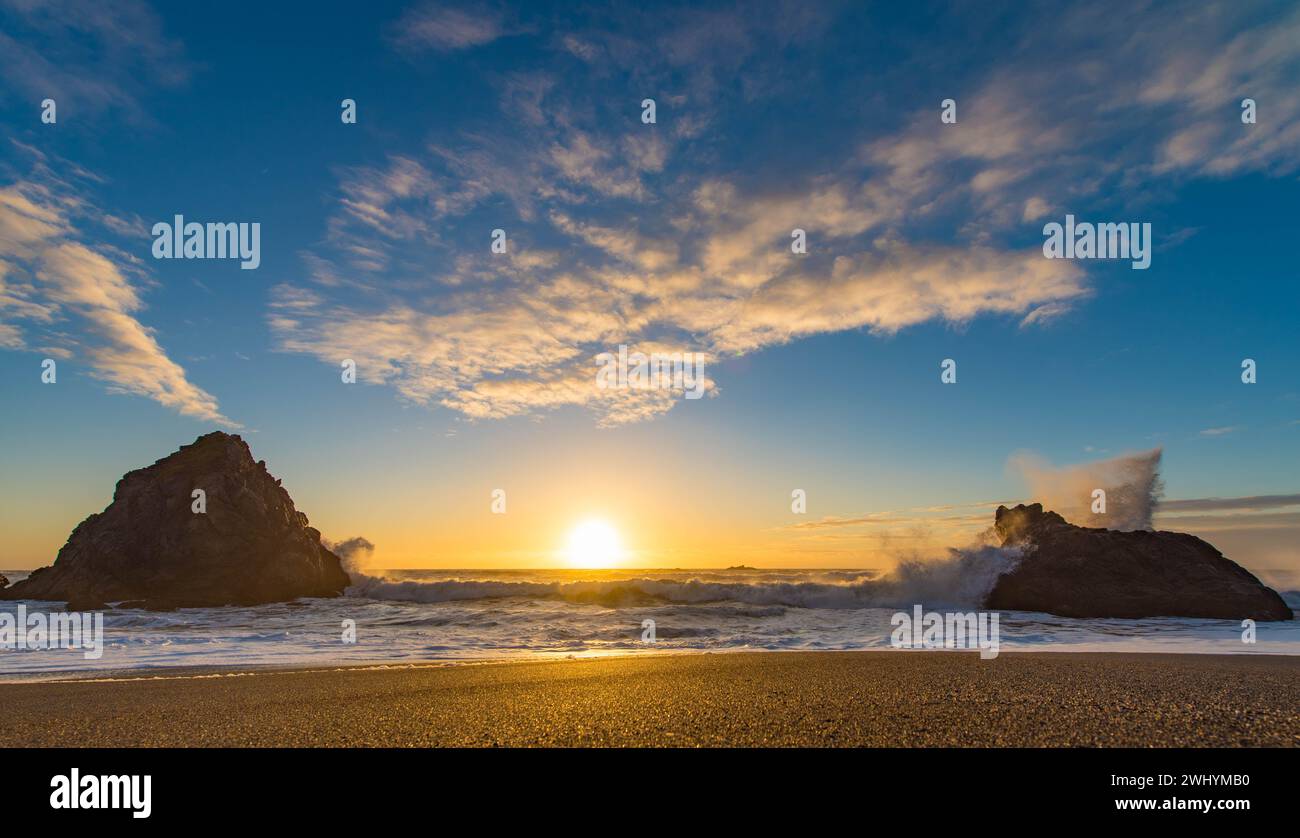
[[740, 699]]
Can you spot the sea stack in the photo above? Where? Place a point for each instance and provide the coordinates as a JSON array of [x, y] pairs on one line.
[[155, 546], [1075, 571]]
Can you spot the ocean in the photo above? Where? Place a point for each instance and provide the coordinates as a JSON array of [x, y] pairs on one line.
[[466, 615]]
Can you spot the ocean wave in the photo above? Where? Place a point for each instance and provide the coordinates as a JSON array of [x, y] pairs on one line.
[[963, 579]]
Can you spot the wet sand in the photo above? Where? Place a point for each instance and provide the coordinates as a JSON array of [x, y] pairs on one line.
[[739, 699]]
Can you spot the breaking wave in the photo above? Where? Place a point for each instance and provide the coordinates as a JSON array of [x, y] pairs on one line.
[[963, 579]]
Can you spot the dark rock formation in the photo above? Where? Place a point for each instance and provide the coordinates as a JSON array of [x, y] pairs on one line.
[[250, 546], [4, 583], [1086, 572]]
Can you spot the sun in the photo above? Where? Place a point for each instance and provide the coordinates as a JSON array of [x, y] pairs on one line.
[[593, 544]]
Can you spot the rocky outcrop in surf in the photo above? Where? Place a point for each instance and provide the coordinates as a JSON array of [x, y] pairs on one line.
[[160, 544], [1075, 571]]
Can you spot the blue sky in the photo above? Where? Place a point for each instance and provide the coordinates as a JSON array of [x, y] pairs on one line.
[[475, 369]]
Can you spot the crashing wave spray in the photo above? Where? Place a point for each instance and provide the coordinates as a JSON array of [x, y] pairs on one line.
[[1131, 482], [355, 552]]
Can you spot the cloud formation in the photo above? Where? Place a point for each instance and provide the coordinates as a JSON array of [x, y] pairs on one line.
[[625, 232], [86, 55], [1252, 503], [449, 27], [53, 276]]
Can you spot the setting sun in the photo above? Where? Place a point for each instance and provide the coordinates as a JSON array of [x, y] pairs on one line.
[[594, 544]]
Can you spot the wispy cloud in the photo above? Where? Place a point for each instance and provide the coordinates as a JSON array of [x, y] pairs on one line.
[[630, 233], [52, 272], [447, 28], [1252, 503], [86, 55], [1212, 517], [920, 517]]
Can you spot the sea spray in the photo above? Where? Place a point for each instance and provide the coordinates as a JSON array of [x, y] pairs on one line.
[[356, 553], [1131, 484]]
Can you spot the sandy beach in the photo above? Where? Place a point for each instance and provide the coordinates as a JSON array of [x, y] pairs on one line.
[[740, 699]]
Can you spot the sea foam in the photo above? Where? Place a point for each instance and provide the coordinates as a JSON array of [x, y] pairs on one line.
[[963, 579]]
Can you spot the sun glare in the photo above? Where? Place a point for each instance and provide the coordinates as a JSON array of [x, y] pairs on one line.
[[594, 544]]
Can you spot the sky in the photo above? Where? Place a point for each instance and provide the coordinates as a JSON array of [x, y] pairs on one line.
[[476, 370]]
